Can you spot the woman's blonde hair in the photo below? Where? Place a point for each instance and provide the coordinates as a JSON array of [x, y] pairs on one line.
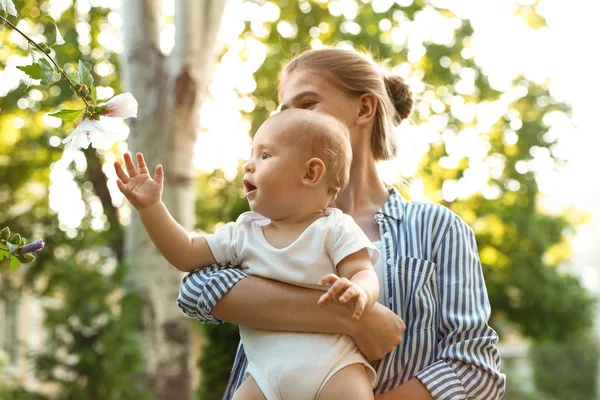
[[356, 74]]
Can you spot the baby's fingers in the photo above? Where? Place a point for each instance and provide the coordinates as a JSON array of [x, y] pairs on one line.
[[359, 307], [329, 279], [348, 295], [322, 302], [159, 174], [122, 187], [131, 169], [120, 173], [141, 163], [338, 287]]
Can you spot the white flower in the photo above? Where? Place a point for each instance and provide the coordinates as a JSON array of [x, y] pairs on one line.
[[91, 131], [121, 106], [96, 132]]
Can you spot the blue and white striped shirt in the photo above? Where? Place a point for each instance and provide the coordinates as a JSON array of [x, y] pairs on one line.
[[433, 281]]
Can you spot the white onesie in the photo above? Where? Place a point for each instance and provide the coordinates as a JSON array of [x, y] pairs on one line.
[[293, 365]]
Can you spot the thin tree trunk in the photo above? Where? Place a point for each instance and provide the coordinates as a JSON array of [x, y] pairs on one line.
[[169, 91]]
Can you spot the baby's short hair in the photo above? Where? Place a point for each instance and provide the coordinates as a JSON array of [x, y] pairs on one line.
[[324, 137]]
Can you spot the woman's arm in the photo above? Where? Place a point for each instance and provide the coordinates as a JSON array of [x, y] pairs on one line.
[[221, 293], [411, 390]]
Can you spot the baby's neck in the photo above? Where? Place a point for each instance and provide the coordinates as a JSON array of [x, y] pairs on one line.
[[297, 219]]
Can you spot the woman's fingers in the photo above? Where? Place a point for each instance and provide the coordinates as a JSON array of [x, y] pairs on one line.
[[120, 173], [131, 170], [141, 163]]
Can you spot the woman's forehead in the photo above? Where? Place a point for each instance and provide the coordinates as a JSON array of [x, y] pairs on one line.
[[301, 83]]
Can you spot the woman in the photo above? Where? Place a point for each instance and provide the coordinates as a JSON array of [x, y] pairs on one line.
[[429, 270]]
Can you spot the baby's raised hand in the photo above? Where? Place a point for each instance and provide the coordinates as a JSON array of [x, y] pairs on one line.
[[140, 189], [343, 290]]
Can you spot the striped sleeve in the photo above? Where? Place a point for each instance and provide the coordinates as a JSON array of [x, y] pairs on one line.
[[468, 362], [202, 289]]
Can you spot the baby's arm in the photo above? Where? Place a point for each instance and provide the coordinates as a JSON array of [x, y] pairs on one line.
[[169, 237], [357, 282], [183, 252]]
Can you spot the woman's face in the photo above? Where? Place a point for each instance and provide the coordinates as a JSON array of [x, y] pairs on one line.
[[303, 89]]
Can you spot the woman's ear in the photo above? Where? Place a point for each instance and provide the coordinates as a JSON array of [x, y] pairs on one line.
[[314, 172], [367, 110]]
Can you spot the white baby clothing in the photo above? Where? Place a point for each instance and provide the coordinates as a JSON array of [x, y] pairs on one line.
[[293, 365]]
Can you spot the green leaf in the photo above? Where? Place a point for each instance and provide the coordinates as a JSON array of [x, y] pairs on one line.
[[54, 36], [14, 263], [41, 70], [67, 115], [85, 74], [93, 91], [75, 78], [3, 254], [8, 7]]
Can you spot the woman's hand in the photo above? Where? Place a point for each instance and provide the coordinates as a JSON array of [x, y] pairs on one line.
[[378, 332], [138, 187]]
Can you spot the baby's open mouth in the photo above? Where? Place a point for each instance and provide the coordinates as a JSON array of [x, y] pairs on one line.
[[248, 187]]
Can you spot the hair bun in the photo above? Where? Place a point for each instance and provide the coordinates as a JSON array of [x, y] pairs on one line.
[[401, 96]]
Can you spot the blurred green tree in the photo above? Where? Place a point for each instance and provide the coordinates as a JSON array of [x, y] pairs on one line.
[[91, 314]]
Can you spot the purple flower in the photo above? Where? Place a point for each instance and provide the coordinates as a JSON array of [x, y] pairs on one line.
[[32, 247]]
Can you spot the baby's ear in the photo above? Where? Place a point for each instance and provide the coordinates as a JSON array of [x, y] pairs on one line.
[[314, 172]]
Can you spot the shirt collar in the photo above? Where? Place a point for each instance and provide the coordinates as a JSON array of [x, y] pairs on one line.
[[393, 207]]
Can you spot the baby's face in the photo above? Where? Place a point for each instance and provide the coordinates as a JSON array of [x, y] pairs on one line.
[[274, 172]]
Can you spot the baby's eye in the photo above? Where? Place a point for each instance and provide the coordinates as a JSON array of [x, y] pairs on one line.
[[308, 104], [264, 156]]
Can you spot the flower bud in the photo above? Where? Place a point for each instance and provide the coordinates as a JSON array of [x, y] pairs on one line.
[[15, 239], [5, 233], [84, 90], [31, 247], [91, 109], [23, 242], [47, 50]]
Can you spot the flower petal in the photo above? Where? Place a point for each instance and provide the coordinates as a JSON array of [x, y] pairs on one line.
[[101, 137], [123, 105], [79, 138]]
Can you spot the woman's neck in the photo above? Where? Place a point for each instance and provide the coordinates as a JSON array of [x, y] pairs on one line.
[[365, 192]]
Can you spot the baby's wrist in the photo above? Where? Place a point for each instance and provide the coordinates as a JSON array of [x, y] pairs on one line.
[[151, 208]]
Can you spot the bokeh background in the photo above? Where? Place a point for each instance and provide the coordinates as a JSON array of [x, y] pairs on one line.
[[503, 132]]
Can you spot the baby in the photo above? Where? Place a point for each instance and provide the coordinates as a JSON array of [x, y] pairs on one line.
[[300, 160]]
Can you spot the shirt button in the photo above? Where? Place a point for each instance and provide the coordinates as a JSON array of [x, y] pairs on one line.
[[378, 217], [387, 235], [390, 261], [390, 301]]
